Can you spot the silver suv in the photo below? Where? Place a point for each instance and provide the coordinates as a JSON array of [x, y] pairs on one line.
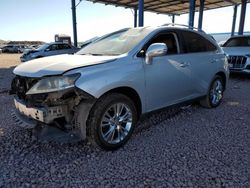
[[101, 92]]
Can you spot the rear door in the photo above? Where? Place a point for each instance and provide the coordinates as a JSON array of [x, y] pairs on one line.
[[202, 57], [167, 79]]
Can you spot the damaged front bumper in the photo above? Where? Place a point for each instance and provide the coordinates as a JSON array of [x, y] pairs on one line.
[[58, 116], [44, 115], [44, 125]]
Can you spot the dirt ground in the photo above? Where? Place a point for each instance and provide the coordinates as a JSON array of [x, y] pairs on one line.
[[190, 147], [7, 63], [9, 60]]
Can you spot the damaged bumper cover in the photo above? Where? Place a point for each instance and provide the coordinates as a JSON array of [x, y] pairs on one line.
[[45, 115], [58, 116]]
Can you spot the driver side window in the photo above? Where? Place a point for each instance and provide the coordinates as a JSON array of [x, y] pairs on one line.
[[167, 39]]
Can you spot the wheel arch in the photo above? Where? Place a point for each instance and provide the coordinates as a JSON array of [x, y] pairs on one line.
[[132, 94], [224, 78]]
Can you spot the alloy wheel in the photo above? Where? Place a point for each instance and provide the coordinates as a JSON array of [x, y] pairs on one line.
[[216, 92], [116, 123]]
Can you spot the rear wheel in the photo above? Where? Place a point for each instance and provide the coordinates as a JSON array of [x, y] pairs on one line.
[[111, 121], [215, 94]]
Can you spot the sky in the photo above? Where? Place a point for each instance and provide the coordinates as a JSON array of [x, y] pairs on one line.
[[42, 19]]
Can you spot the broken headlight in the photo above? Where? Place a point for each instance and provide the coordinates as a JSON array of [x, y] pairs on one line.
[[55, 83]]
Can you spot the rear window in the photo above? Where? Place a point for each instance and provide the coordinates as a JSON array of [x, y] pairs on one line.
[[238, 42], [194, 43]]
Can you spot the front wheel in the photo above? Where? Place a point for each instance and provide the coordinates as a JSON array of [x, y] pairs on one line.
[[215, 94], [112, 121]]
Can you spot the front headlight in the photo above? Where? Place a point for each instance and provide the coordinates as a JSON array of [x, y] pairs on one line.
[[52, 84]]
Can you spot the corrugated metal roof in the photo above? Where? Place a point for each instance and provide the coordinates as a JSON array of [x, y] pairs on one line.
[[176, 7]]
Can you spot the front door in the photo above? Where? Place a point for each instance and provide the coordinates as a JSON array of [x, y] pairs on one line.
[[168, 77]]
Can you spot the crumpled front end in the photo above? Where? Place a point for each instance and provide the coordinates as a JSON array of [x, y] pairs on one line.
[[53, 116]]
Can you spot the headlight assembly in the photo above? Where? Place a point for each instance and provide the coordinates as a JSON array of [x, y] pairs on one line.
[[52, 84]]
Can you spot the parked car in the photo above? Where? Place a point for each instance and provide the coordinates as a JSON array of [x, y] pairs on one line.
[[49, 49], [100, 92], [10, 49], [21, 48], [238, 50]]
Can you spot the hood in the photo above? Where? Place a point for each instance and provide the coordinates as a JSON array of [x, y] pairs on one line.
[[236, 50], [59, 64]]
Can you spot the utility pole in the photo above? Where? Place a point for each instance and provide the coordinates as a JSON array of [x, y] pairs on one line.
[[73, 7]]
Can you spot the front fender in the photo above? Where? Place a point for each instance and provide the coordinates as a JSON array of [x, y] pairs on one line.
[[98, 80]]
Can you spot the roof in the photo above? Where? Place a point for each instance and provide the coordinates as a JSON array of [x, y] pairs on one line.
[[171, 7]]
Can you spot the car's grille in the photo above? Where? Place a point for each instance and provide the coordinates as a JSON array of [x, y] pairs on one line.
[[20, 85], [237, 62]]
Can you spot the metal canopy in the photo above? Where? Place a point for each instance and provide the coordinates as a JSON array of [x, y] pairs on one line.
[[171, 7]]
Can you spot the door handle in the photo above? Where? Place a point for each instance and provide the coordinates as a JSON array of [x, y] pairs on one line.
[[184, 64]]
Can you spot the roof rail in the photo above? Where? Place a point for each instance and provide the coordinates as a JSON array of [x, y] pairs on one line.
[[183, 25]]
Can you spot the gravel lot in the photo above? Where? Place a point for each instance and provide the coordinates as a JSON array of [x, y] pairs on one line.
[[192, 147]]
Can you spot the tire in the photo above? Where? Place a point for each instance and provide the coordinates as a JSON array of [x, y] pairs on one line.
[[215, 93], [108, 130]]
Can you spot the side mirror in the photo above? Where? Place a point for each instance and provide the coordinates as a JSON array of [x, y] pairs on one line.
[[47, 50], [155, 50]]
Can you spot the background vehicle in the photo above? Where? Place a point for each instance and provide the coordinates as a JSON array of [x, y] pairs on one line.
[[50, 49], [22, 48], [101, 91], [238, 50], [10, 49]]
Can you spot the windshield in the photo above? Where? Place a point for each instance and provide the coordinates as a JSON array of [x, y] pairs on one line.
[[238, 42], [42, 47], [116, 43]]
